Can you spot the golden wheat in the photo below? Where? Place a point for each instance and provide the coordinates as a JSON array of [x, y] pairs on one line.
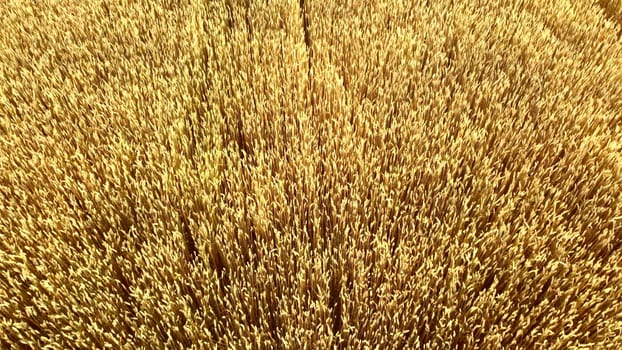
[[311, 175]]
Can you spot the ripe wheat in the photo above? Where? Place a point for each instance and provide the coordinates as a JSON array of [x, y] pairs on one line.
[[311, 174]]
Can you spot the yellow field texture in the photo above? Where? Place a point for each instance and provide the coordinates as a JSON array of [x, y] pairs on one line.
[[311, 174]]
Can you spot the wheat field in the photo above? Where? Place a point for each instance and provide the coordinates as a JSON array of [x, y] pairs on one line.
[[363, 174]]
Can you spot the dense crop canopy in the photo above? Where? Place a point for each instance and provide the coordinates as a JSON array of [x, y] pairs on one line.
[[311, 174]]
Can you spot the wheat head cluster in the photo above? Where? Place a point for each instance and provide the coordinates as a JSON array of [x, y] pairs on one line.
[[361, 174]]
